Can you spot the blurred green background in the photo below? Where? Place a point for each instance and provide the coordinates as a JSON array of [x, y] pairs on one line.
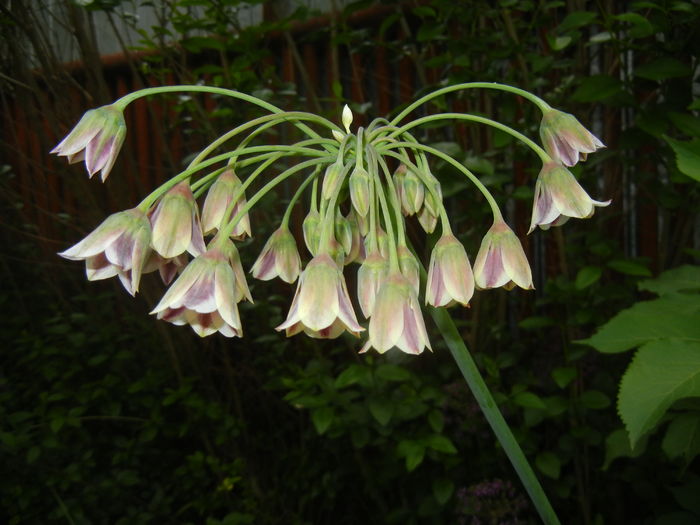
[[109, 416]]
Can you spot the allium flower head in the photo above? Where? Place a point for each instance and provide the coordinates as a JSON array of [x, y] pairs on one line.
[[279, 258], [565, 139], [96, 139], [558, 196], [176, 226], [450, 277], [219, 198], [119, 246], [501, 260], [370, 277], [397, 319], [205, 295], [321, 306]]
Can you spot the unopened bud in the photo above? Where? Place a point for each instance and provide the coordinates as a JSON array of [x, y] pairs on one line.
[[312, 231], [347, 118], [331, 179], [359, 190]]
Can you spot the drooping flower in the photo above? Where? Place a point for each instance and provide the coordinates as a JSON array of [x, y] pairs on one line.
[[119, 246], [501, 260], [450, 278], [410, 267], [175, 222], [558, 196], [357, 246], [96, 139], [397, 319], [206, 295], [219, 197], [358, 183], [343, 231], [167, 268], [565, 139], [321, 306], [279, 258], [412, 193], [370, 277], [312, 230]]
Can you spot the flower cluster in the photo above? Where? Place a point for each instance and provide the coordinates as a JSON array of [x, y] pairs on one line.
[[364, 186]]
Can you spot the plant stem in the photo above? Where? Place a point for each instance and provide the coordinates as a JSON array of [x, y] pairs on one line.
[[488, 406]]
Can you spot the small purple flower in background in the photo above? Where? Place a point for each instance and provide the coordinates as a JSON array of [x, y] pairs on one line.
[[96, 139], [491, 502], [565, 139], [119, 246], [559, 196], [501, 260], [176, 225]]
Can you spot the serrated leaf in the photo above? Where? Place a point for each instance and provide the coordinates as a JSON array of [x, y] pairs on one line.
[[661, 373], [670, 317], [390, 372], [382, 409], [351, 375], [663, 68], [687, 156], [322, 418], [442, 490], [586, 276], [683, 437], [441, 443], [563, 375], [679, 279], [529, 400], [549, 464], [617, 445]]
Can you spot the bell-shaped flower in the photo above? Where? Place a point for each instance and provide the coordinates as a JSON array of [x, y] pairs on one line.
[[370, 277], [321, 306], [357, 246], [558, 196], [565, 139], [175, 222], [96, 139], [359, 190], [397, 319], [412, 194], [167, 268], [450, 278], [501, 260], [427, 220], [220, 197], [279, 258], [119, 246], [206, 295]]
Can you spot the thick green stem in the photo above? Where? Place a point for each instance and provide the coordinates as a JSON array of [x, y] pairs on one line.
[[488, 406], [471, 85]]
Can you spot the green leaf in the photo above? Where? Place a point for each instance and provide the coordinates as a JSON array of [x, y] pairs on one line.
[[441, 444], [687, 156], [56, 424], [641, 27], [351, 375], [628, 267], [661, 373], [413, 451], [617, 445], [436, 420], [390, 372], [529, 400], [686, 123], [597, 87], [560, 42], [586, 276], [670, 317], [381, 409], [322, 418], [33, 454], [563, 375], [575, 20], [549, 464], [442, 490], [663, 68], [535, 322], [679, 279], [683, 437], [594, 400]]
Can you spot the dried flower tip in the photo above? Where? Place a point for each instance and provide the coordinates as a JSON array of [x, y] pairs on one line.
[[565, 139], [559, 196], [96, 139]]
